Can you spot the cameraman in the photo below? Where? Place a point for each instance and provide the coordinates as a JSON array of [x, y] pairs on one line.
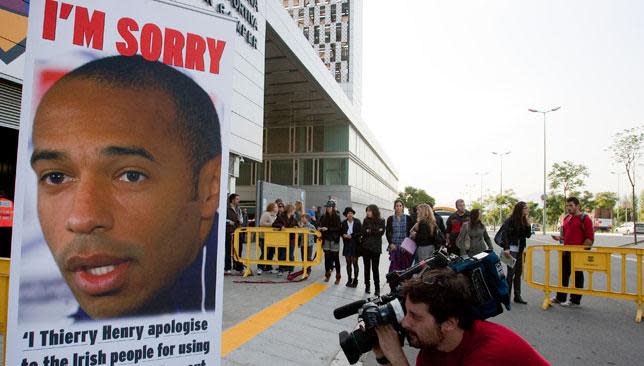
[[437, 322]]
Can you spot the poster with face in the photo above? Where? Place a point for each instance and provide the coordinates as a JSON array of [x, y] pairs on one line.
[[122, 163]]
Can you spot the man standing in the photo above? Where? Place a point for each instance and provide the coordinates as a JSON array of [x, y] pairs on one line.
[[438, 321], [233, 221], [454, 223], [577, 229]]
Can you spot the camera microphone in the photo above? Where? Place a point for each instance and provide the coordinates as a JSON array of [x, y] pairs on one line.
[[348, 309]]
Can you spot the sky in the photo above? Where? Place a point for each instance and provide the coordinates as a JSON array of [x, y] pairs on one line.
[[447, 82]]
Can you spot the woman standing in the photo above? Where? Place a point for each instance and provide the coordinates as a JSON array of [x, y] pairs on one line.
[[398, 227], [330, 226], [517, 230], [426, 233], [299, 210], [473, 238], [351, 228], [286, 220], [266, 220], [373, 228]]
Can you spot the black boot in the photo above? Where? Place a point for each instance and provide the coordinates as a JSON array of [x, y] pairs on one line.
[[519, 300], [367, 289]]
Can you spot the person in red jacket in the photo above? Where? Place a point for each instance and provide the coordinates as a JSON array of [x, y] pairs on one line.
[[577, 229], [437, 321]]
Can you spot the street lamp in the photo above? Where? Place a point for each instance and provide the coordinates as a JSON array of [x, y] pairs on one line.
[[481, 174], [544, 160], [501, 155]]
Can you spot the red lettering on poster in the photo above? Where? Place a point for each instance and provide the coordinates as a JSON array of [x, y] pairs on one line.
[[89, 32], [215, 49], [151, 42], [195, 49], [173, 47], [49, 21], [125, 26]]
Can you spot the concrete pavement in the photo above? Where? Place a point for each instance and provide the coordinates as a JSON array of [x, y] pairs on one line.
[[600, 332]]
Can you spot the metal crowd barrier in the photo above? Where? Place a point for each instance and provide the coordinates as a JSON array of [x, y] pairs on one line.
[[590, 260], [4, 302], [248, 251]]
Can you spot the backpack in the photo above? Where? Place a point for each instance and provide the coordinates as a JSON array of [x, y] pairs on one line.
[[499, 237]]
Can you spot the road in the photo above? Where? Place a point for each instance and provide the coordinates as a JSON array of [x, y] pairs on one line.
[[600, 332]]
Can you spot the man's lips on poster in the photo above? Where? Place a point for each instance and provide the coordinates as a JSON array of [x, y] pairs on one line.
[[99, 273]]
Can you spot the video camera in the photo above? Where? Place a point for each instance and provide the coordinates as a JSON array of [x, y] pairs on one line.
[[487, 284]]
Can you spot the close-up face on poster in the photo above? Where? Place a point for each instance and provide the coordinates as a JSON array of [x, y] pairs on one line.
[[121, 176]]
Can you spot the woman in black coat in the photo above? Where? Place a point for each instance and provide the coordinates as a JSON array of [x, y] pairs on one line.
[[516, 230], [373, 228], [351, 228], [331, 226]]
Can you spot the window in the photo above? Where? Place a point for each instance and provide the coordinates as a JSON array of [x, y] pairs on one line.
[[277, 141], [345, 9], [323, 14], [334, 172], [311, 15], [306, 172], [332, 54], [322, 51], [338, 32], [338, 72], [327, 33], [300, 139], [316, 34], [318, 138], [285, 3], [336, 138], [306, 32], [246, 173], [333, 11], [282, 172], [344, 55]]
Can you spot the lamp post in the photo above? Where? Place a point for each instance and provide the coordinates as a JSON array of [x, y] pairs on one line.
[[544, 160], [481, 174], [619, 176], [501, 155]]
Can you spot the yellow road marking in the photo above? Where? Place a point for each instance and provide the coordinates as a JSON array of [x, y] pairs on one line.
[[237, 335]]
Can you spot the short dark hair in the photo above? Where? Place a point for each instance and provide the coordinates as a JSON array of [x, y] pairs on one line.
[[446, 294], [459, 200], [232, 197], [197, 119], [574, 200]]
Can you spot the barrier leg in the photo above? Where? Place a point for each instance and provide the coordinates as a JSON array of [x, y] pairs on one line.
[[546, 291], [640, 310]]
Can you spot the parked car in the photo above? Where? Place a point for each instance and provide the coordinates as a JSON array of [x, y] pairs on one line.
[[627, 228]]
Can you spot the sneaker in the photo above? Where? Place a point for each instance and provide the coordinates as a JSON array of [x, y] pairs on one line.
[[275, 271], [280, 273], [570, 304], [259, 271], [554, 300], [227, 272]]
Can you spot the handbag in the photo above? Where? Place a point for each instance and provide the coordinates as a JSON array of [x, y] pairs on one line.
[[409, 245]]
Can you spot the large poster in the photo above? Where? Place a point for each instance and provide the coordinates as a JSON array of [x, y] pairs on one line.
[[120, 199]]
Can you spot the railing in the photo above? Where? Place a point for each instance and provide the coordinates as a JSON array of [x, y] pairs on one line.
[[254, 245], [591, 260]]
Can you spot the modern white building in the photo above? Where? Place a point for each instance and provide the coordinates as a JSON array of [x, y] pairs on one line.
[[292, 122]]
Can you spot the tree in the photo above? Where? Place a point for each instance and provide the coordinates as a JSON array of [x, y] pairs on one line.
[[415, 196], [536, 213], [555, 203], [627, 150], [567, 176], [606, 200], [586, 200]]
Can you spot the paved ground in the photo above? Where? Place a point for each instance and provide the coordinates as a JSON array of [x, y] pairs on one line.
[[601, 332]]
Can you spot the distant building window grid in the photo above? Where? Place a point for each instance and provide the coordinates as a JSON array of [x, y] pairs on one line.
[[326, 26]]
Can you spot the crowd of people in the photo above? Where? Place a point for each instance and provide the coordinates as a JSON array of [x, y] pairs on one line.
[[463, 233]]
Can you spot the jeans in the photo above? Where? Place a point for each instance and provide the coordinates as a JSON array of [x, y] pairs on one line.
[[332, 260], [565, 279], [514, 274], [281, 255]]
